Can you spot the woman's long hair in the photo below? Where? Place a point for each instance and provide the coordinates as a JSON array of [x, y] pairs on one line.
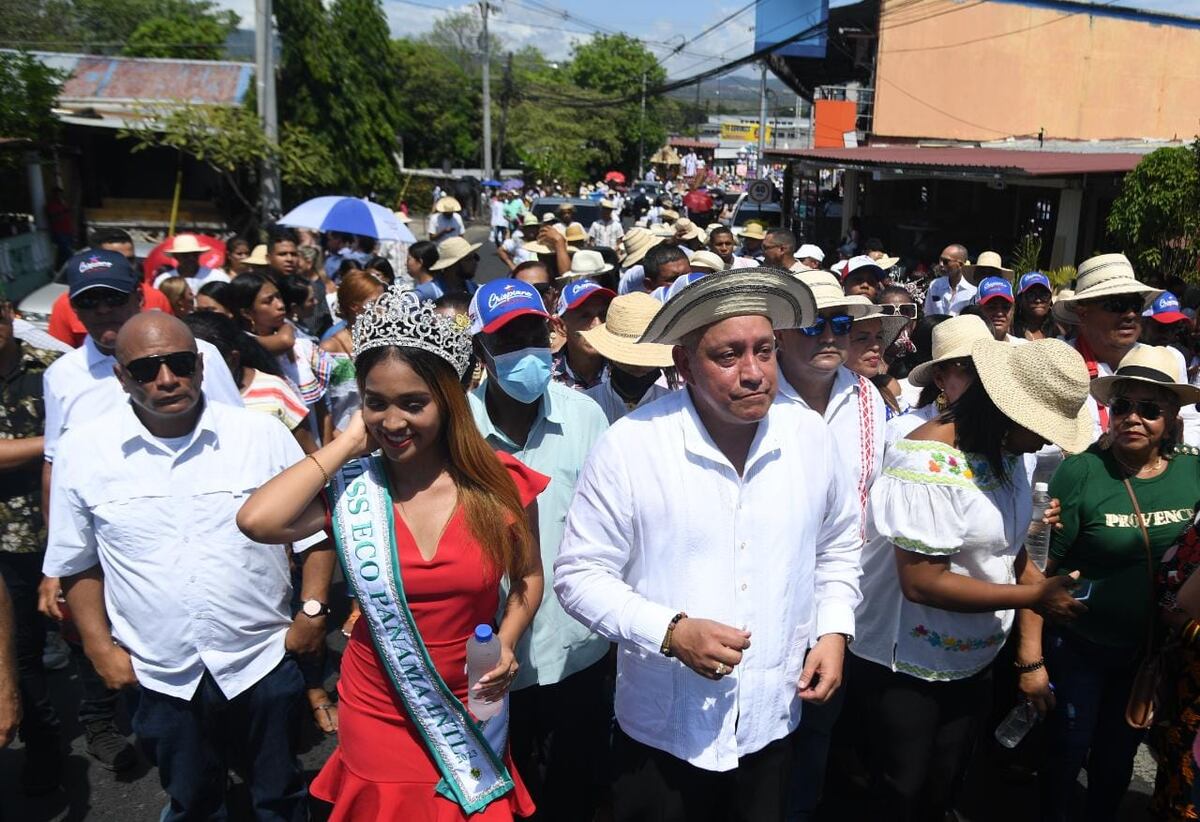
[[241, 294], [227, 337], [980, 427], [1020, 325], [489, 497]]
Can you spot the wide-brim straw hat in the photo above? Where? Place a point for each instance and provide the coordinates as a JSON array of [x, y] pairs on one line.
[[530, 219], [752, 231], [447, 205], [1106, 275], [1149, 364], [828, 293], [669, 214], [989, 264], [575, 233], [1041, 385], [616, 339], [534, 247], [893, 324], [662, 231], [258, 256], [452, 250], [953, 339], [707, 260], [186, 244], [637, 246], [1059, 307], [607, 204], [765, 292], [587, 263], [685, 229]]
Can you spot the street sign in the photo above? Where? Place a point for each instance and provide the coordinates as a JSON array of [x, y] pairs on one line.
[[759, 191]]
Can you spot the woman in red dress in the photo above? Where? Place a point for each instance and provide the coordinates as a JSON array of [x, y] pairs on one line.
[[464, 516]]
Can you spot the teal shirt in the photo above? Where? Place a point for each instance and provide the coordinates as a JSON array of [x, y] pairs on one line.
[[567, 426]]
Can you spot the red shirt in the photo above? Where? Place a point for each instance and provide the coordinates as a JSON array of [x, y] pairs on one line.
[[65, 324]]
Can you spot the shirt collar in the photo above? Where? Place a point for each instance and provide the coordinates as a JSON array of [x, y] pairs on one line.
[[133, 433], [845, 383], [94, 355], [548, 410], [698, 441]]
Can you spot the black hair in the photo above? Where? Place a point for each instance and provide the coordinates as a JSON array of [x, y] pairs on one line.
[[295, 290], [460, 301], [425, 252], [922, 340], [236, 241], [899, 291], [873, 244], [365, 244], [1019, 326], [528, 264], [227, 337], [101, 236], [722, 230], [381, 266], [242, 291], [980, 427], [611, 278], [974, 310], [281, 234], [661, 255], [216, 290]]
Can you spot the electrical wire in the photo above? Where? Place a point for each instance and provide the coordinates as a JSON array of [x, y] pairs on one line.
[[1004, 33]]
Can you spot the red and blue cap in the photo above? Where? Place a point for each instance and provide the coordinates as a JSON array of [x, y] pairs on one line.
[[501, 301], [1165, 309], [992, 287], [1032, 278], [100, 269], [577, 292]]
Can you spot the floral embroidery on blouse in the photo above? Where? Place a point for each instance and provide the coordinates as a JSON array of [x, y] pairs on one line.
[[945, 465], [946, 642]]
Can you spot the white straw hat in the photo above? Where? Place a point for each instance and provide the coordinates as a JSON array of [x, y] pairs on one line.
[[987, 265], [586, 263], [765, 292], [451, 250], [258, 256], [1150, 364], [637, 242], [616, 339], [827, 291], [708, 261], [893, 324], [1106, 275], [186, 244], [1059, 308], [1041, 385], [953, 339], [447, 205]]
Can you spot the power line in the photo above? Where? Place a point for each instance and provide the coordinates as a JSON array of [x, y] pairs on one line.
[[1004, 33]]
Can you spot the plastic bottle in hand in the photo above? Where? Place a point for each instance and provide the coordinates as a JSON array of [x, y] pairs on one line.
[[1017, 724], [483, 654], [1037, 541]]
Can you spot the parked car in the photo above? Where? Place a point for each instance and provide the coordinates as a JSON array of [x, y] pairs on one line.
[[769, 214]]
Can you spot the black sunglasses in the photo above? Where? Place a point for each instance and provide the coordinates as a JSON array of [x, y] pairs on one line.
[[96, 297], [840, 326], [145, 369], [899, 309], [1119, 305], [1146, 409]]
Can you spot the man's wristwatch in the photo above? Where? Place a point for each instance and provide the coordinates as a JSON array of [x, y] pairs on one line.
[[314, 608]]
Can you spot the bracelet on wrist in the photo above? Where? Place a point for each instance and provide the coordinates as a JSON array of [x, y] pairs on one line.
[[666, 643], [1031, 667]]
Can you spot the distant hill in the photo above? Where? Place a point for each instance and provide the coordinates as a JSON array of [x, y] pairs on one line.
[[737, 94]]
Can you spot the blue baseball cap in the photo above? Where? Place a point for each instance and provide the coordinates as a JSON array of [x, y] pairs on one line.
[[992, 287], [100, 269], [1165, 309], [1032, 278], [500, 302], [665, 292], [577, 292]]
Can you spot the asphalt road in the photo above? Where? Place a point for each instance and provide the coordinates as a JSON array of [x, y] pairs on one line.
[[94, 794]]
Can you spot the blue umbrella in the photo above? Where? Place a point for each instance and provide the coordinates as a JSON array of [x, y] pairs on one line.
[[512, 185], [490, 184], [350, 215]]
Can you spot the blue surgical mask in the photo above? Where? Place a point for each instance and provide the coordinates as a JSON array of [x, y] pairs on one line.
[[523, 374]]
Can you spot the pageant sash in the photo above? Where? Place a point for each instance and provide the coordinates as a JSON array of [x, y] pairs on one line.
[[466, 751]]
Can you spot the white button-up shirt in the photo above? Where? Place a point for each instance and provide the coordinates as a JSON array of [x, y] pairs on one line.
[[613, 405], [81, 386], [944, 299], [606, 233], [185, 590], [661, 523]]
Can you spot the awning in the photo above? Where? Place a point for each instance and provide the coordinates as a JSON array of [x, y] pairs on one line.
[[965, 159]]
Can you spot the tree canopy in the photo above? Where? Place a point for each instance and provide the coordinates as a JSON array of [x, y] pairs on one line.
[[1157, 216]]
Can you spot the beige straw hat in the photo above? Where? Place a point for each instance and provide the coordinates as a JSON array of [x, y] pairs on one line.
[[530, 219], [987, 265], [669, 214], [685, 229], [258, 256], [185, 244], [953, 339], [1106, 275], [607, 204], [617, 337], [662, 231], [637, 242], [586, 263], [534, 247], [827, 291], [1150, 364], [1041, 385], [451, 250], [752, 231], [576, 234], [766, 292], [708, 261], [447, 205], [1059, 307], [893, 324]]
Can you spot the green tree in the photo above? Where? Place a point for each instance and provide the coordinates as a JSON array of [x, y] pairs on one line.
[[195, 31], [438, 106], [1156, 218], [28, 90], [459, 36]]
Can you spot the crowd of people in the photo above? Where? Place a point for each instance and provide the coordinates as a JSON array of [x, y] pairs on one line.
[[747, 524]]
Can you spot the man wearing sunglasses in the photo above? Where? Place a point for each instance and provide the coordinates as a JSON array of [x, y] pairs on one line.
[[813, 374], [78, 387], [163, 586], [951, 292]]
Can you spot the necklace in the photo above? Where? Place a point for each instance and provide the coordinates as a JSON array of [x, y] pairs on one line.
[[1151, 469]]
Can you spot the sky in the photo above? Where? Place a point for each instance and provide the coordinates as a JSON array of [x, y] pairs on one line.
[[552, 25]]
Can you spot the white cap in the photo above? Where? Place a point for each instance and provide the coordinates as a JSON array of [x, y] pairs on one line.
[[809, 250]]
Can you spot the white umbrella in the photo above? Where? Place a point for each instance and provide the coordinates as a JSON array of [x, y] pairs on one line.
[[350, 215]]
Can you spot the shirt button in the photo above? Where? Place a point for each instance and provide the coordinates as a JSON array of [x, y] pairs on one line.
[[744, 586], [743, 546]]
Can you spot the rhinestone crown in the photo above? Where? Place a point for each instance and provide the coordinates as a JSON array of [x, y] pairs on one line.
[[399, 318]]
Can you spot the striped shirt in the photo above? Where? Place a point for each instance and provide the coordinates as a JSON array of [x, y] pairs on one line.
[[275, 396]]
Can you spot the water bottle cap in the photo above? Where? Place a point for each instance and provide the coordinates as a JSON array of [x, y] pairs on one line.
[[1041, 487], [483, 633]]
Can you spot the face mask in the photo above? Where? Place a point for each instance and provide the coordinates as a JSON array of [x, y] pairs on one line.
[[523, 374]]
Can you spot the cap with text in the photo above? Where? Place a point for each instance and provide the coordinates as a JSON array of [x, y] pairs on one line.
[[1165, 309], [500, 302], [577, 292], [100, 269], [1032, 278], [991, 288]]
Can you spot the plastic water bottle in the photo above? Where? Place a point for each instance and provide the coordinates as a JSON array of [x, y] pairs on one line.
[[1018, 722], [483, 654], [1037, 541]]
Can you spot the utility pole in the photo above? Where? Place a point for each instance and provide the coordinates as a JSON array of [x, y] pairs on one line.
[[698, 109], [762, 123], [642, 131], [505, 98], [487, 95], [264, 80]]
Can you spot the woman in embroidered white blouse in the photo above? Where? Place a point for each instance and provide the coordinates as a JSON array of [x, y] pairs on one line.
[[955, 502]]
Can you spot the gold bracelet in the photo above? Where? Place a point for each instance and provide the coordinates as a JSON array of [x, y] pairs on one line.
[[321, 468]]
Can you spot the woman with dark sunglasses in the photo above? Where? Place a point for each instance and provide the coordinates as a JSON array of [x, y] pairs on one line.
[[1033, 319], [1135, 467]]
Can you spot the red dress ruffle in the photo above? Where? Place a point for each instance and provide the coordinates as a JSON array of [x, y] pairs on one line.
[[381, 769]]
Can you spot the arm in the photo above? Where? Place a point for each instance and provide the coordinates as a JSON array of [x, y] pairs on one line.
[[18, 452], [306, 635], [281, 342], [1034, 685], [504, 257], [10, 695], [85, 596], [928, 580], [50, 588]]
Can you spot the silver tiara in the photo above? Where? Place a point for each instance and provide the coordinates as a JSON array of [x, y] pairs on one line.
[[399, 318]]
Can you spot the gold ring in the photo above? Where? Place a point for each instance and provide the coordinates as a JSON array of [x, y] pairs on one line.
[[721, 670]]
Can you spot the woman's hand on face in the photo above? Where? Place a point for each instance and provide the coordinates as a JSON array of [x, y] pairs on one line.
[[495, 683]]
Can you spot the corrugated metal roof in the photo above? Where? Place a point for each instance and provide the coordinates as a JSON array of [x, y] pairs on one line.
[[970, 159], [688, 142]]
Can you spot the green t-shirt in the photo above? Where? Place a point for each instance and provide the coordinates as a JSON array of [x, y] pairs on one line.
[[1100, 537]]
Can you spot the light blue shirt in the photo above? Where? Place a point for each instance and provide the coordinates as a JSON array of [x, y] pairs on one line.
[[567, 425]]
